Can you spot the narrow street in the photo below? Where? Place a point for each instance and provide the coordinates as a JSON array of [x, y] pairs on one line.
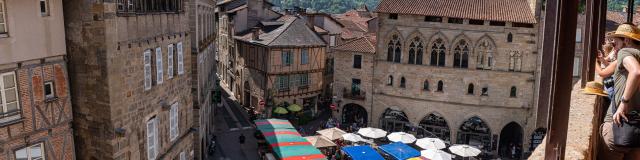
[[231, 122]]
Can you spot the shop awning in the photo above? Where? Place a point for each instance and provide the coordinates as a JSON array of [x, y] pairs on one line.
[[286, 142], [400, 151], [362, 153]]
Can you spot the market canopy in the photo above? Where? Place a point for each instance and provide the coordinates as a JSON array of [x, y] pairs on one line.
[[362, 153], [286, 142], [272, 123], [332, 133], [400, 151], [320, 141]]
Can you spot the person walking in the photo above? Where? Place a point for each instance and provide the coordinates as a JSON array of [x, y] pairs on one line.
[[618, 131], [241, 138]]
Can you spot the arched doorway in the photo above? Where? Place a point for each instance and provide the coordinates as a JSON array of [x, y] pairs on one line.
[[394, 120], [354, 113], [247, 94], [475, 132], [435, 125], [510, 137]]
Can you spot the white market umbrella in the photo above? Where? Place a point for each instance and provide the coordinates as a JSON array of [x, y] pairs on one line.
[[430, 143], [332, 133], [372, 132], [464, 150], [401, 137], [352, 137], [320, 141], [435, 154]]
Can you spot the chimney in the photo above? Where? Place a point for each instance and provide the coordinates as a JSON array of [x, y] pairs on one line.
[[255, 33]]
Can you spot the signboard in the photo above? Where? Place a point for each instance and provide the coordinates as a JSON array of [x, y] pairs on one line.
[[261, 103], [536, 138], [333, 107]]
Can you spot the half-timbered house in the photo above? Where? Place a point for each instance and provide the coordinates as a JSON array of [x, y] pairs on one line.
[[35, 104], [281, 61]]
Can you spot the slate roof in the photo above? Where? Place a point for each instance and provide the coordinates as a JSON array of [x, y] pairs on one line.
[[293, 32], [493, 10], [361, 45]]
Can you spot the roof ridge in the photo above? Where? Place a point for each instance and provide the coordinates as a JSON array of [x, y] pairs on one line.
[[283, 30]]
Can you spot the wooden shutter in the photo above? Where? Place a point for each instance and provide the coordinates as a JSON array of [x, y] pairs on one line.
[[180, 59], [170, 61], [147, 70], [173, 122], [152, 132], [159, 67]]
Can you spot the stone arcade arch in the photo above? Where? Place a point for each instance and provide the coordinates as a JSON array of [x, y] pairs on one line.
[[475, 131], [434, 124], [354, 113], [394, 120], [511, 135]]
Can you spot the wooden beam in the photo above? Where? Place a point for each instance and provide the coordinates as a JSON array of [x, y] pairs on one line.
[[559, 49], [594, 38]]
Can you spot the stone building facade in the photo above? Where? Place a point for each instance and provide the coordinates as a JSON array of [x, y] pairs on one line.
[[279, 64], [128, 63], [202, 25], [35, 103], [465, 77]]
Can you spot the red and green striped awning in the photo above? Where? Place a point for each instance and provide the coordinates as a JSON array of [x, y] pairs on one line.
[[286, 142]]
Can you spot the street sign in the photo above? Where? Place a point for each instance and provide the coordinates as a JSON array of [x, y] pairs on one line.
[[333, 107], [261, 103]]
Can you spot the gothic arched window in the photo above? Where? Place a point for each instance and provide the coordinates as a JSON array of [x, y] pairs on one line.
[[485, 50], [438, 52], [470, 88], [390, 81], [425, 86], [509, 37], [513, 92], [403, 83], [440, 86], [515, 61], [394, 51], [416, 51], [461, 55]]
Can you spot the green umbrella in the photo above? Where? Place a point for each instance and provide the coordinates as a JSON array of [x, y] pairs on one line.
[[280, 110], [294, 108]]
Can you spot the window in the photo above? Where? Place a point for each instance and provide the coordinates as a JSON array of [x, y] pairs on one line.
[[180, 59], [159, 67], [357, 61], [497, 23], [283, 83], [403, 83], [578, 35], [513, 92], [425, 86], [416, 51], [304, 80], [576, 66], [173, 122], [485, 91], [355, 86], [152, 139], [49, 90], [509, 37], [147, 70], [304, 58], [515, 61], [470, 89], [440, 86], [522, 25], [455, 20], [393, 16], [183, 156], [148, 6], [332, 41], [461, 55], [484, 59], [44, 7], [34, 152], [438, 52], [287, 57], [476, 22], [394, 51], [8, 95], [3, 18], [432, 19], [170, 61], [390, 81]]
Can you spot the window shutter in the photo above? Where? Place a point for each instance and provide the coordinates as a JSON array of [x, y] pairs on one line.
[[147, 70], [173, 122], [170, 61], [152, 131], [159, 67], [180, 59]]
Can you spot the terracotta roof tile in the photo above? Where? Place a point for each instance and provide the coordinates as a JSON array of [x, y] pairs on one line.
[[616, 18], [493, 10], [361, 45]]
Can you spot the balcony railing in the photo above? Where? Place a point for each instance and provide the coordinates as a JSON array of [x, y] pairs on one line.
[[355, 95]]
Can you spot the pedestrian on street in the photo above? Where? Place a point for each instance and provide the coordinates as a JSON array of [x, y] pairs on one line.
[[241, 138]]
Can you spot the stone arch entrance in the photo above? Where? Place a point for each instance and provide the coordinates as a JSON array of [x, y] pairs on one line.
[[434, 124], [510, 136], [475, 132], [394, 120], [354, 113]]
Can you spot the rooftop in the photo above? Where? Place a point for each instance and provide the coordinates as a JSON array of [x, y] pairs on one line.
[[492, 10], [361, 45], [292, 31]]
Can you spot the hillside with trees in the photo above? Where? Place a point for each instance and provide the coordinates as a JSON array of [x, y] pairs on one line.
[[327, 6]]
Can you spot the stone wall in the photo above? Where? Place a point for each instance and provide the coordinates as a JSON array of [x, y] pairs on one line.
[[42, 120], [106, 59], [342, 79]]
